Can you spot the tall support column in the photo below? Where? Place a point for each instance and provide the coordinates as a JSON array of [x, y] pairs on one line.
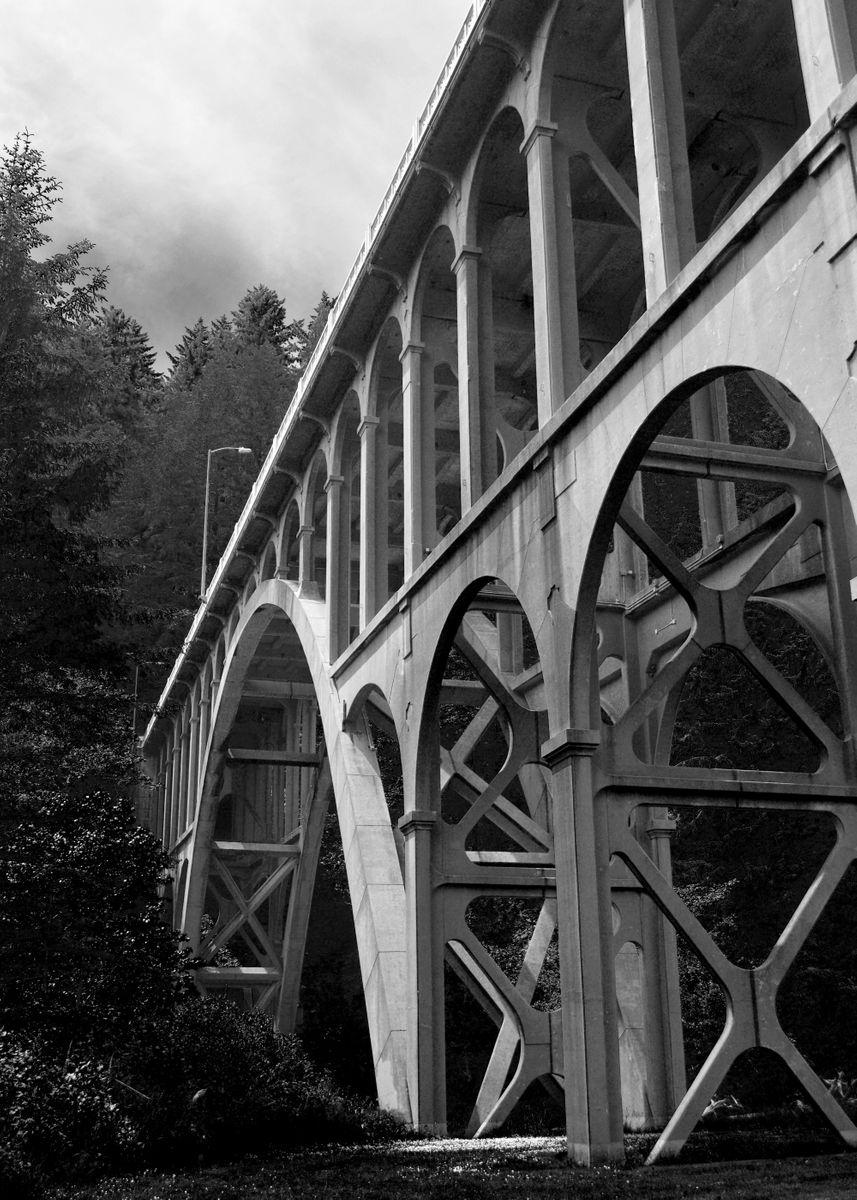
[[192, 779], [475, 391], [660, 141], [157, 815], [337, 569], [426, 1057], [825, 49], [430, 449], [593, 1096], [665, 1061], [572, 371], [415, 452], [181, 791], [307, 586], [367, 431], [537, 149], [204, 726], [170, 793], [709, 423]]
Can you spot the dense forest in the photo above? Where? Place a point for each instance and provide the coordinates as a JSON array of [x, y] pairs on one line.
[[108, 1058]]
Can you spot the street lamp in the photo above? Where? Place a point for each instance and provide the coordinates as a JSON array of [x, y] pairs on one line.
[[216, 450]]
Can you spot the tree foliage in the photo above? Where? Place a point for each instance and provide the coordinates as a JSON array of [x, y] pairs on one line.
[[84, 953]]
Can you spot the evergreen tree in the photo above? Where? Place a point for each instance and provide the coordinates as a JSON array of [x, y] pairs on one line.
[[316, 325], [192, 353], [83, 954]]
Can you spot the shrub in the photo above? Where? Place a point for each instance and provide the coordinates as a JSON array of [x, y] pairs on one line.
[[56, 1117], [211, 1081]]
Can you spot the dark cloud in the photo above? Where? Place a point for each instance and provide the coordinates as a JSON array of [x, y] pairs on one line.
[[205, 146]]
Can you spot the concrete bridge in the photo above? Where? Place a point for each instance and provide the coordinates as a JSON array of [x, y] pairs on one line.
[[583, 415]]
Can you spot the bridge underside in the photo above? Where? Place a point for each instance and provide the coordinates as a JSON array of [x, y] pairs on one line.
[[546, 584]]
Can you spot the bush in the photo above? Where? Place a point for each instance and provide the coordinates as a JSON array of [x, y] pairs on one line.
[[56, 1117], [223, 1080], [212, 1082]]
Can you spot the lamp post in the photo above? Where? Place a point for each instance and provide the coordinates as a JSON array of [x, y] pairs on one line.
[[216, 450]]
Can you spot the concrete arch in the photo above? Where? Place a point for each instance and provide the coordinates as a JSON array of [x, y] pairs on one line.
[[647, 417], [789, 545], [434, 250], [429, 690], [371, 858], [507, 114], [392, 333], [268, 568], [289, 547], [344, 429]]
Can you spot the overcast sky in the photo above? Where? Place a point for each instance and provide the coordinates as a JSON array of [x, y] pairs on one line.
[[209, 145]]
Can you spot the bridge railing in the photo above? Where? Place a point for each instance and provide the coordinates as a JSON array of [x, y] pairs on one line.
[[324, 342]]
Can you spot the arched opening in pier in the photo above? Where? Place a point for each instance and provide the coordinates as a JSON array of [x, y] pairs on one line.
[[724, 646], [480, 759]]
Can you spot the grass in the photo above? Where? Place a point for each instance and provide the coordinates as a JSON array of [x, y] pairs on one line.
[[495, 1169]]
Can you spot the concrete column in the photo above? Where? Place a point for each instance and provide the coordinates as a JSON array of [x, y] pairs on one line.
[[181, 791], [826, 50], [707, 426], [660, 141], [537, 148], [338, 564], [475, 391], [415, 453], [664, 1037], [593, 1095], [192, 780], [307, 586], [426, 1060], [367, 432], [169, 795], [572, 371], [429, 444], [157, 816], [204, 726]]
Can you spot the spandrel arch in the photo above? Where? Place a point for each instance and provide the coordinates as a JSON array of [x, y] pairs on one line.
[[268, 779]]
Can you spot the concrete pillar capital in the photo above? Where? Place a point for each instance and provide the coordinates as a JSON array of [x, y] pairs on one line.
[[417, 819], [409, 348], [368, 423], [539, 129], [571, 743], [333, 482], [465, 255]]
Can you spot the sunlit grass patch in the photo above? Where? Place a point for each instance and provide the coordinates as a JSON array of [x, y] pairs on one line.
[[496, 1169]]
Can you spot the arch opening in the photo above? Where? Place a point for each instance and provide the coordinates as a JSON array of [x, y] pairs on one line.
[[718, 645], [479, 763]]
